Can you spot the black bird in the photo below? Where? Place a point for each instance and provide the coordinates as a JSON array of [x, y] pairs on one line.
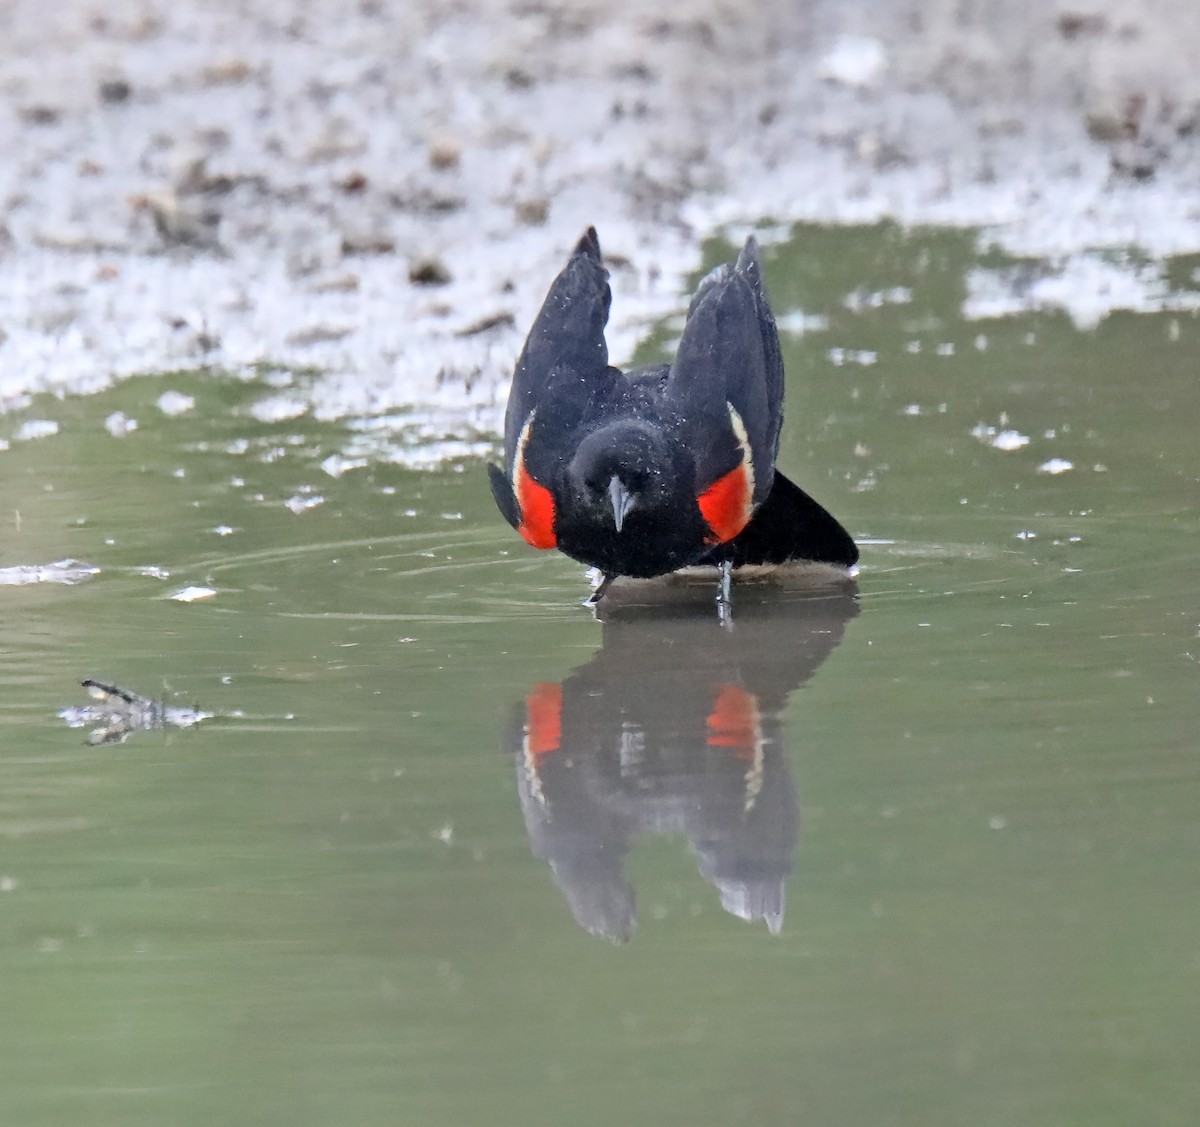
[[644, 472]]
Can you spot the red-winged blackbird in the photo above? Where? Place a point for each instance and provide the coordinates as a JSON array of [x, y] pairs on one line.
[[644, 472]]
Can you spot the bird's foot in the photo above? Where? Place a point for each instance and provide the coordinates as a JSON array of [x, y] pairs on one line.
[[599, 591], [725, 595]]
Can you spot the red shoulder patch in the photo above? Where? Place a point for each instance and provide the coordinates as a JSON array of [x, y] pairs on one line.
[[727, 504], [534, 500], [543, 719], [733, 722], [537, 511]]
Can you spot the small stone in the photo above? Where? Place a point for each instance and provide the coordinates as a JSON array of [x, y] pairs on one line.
[[194, 329], [317, 334], [39, 114], [1077, 25], [1139, 160], [503, 319], [368, 239], [339, 283], [428, 272], [1104, 125], [444, 154], [114, 91], [533, 212], [230, 72]]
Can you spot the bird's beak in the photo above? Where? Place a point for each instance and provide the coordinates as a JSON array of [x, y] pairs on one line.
[[622, 501]]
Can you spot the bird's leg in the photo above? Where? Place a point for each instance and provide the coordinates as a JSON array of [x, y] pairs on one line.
[[725, 593], [600, 591]]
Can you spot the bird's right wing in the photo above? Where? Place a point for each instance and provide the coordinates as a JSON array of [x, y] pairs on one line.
[[561, 374], [565, 345]]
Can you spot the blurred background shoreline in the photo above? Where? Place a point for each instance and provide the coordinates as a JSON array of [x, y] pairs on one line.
[[380, 192]]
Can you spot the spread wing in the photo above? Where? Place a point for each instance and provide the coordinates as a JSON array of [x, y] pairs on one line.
[[726, 382], [561, 374], [565, 346]]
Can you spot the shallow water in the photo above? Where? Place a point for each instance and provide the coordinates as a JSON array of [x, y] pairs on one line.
[[377, 885]]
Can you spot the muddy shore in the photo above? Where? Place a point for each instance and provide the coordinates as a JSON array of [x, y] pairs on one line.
[[380, 192]]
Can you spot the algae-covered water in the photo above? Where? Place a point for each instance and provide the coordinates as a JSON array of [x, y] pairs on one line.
[[380, 883]]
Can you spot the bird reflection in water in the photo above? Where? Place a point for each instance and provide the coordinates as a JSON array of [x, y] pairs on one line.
[[674, 727]]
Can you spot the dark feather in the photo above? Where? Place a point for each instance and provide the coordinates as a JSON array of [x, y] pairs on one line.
[[506, 500], [729, 354], [789, 526], [566, 342]]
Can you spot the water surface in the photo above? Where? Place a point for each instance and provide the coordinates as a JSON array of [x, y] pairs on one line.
[[381, 884]]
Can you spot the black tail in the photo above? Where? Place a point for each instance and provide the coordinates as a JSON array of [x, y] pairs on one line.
[[788, 525]]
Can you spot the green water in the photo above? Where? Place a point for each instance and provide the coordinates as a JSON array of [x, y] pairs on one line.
[[335, 902]]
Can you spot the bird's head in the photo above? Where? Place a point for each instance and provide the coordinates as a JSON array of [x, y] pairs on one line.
[[622, 469]]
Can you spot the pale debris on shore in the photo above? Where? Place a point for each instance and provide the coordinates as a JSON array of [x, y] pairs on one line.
[[381, 192]]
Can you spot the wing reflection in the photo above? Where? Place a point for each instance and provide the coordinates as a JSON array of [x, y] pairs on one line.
[[674, 727]]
